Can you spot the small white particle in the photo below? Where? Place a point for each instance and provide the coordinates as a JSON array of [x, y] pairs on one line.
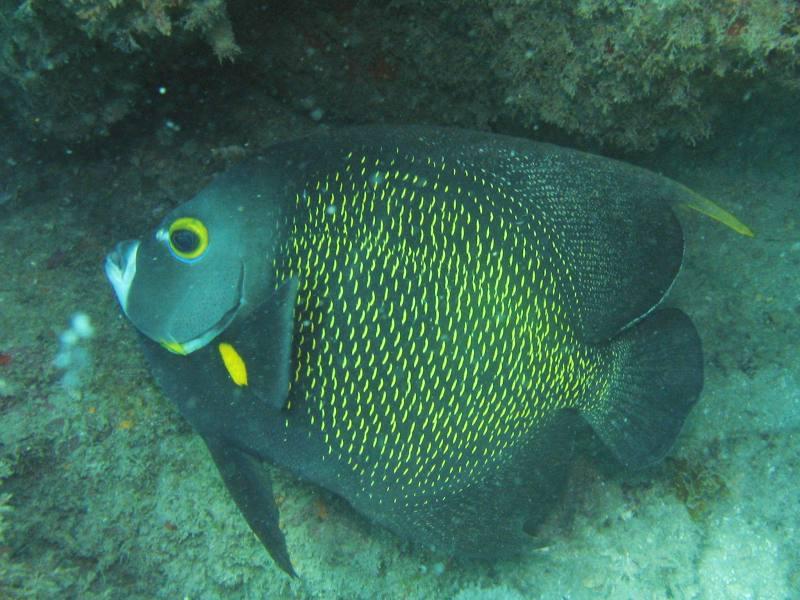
[[68, 338], [82, 325]]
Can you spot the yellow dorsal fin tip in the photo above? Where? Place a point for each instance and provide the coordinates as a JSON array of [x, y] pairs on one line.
[[705, 206]]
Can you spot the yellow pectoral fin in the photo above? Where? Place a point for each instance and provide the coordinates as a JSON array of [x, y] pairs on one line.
[[234, 364], [703, 205]]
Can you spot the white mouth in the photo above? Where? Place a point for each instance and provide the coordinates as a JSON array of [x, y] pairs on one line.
[[121, 269]]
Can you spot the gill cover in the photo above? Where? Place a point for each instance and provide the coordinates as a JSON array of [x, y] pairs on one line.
[[185, 283]]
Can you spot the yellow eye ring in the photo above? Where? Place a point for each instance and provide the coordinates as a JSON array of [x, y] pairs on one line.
[[187, 238]]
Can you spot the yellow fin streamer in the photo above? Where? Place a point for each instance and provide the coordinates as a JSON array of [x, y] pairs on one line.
[[233, 363], [705, 206]]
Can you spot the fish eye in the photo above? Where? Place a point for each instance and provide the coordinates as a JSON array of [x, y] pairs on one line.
[[188, 239]]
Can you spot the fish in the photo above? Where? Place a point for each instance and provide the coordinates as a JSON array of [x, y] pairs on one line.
[[417, 319]]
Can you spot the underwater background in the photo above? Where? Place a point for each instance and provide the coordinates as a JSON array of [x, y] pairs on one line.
[[112, 113]]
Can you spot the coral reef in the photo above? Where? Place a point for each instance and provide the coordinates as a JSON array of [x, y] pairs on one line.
[[615, 71], [621, 72], [70, 69], [696, 485], [18, 578]]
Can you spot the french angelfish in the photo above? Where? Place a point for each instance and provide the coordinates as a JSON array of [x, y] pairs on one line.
[[414, 319]]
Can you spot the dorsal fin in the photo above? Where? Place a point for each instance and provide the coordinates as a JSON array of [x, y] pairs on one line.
[[705, 206], [615, 223], [613, 230]]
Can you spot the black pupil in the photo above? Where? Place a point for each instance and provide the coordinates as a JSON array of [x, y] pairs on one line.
[[185, 240]]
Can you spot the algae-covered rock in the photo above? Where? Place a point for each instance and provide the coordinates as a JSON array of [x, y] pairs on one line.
[[69, 69], [620, 72], [632, 73]]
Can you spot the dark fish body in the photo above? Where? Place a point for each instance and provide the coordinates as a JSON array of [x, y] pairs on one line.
[[422, 315]]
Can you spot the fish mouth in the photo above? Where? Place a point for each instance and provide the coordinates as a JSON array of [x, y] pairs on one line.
[[184, 348], [120, 267]]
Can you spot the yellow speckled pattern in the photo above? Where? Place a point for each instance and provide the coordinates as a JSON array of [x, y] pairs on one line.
[[431, 334], [418, 320]]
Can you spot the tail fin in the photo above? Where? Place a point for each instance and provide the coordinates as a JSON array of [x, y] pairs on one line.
[[655, 379]]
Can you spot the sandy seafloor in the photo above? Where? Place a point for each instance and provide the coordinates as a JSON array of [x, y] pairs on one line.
[[113, 496]]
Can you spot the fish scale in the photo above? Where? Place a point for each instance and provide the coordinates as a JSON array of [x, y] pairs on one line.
[[375, 216]]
